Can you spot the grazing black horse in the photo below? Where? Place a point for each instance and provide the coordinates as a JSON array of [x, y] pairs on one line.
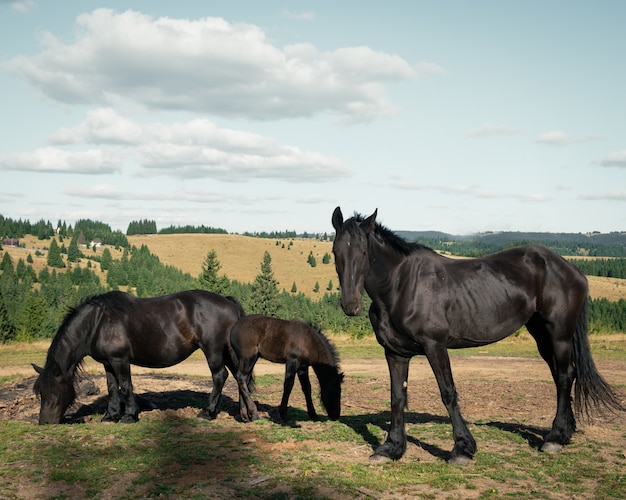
[[298, 345], [118, 329], [424, 303]]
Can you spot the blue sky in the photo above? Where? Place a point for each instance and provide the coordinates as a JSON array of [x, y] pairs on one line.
[[258, 116]]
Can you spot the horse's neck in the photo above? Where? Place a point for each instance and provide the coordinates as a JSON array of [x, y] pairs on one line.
[[68, 353], [324, 371], [384, 259]]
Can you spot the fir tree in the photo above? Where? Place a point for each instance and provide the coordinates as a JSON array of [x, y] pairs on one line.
[[54, 255], [106, 261], [209, 280], [7, 330], [265, 289], [72, 252]]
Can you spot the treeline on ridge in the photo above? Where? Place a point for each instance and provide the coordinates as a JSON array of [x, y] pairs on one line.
[[571, 244], [32, 305]]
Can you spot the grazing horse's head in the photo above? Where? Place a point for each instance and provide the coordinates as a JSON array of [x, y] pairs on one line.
[[351, 258], [56, 393], [330, 393]]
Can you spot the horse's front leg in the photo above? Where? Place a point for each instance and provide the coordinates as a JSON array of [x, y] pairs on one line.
[[464, 443], [395, 444], [305, 382], [113, 387], [291, 367]]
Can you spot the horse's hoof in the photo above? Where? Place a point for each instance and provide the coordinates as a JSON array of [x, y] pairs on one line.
[[380, 459], [551, 447], [207, 415], [129, 419], [109, 419], [460, 460]]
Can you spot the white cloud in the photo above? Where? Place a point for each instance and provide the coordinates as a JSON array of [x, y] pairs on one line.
[[468, 190], [21, 6], [560, 138], [609, 196], [492, 131], [615, 159], [193, 149], [54, 160], [299, 15], [102, 126], [209, 65]]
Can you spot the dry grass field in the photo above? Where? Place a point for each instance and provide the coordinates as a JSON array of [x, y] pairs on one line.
[[241, 258]]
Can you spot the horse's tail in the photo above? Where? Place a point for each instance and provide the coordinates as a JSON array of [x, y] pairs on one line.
[[240, 311], [591, 392], [234, 361]]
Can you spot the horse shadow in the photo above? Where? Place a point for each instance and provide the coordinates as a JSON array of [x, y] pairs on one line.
[[176, 399], [534, 436]]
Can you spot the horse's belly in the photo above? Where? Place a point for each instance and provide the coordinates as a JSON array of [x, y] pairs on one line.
[[160, 359]]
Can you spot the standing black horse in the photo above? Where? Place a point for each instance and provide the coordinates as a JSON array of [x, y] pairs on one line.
[[298, 345], [424, 303], [118, 329]]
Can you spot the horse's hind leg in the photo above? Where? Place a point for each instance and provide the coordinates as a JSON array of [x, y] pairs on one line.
[[131, 405], [219, 374], [556, 349], [305, 382], [247, 408], [113, 408]]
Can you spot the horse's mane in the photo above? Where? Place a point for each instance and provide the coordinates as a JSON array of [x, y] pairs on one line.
[[112, 303], [327, 343], [386, 235]]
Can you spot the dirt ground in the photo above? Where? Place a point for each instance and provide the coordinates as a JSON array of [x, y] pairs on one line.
[[510, 391]]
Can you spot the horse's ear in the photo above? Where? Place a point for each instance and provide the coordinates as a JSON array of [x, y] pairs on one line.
[[38, 369], [337, 219], [368, 224]]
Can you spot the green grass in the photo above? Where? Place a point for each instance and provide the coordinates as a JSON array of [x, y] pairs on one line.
[[167, 455]]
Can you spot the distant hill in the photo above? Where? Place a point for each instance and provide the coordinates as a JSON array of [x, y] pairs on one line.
[[578, 244]]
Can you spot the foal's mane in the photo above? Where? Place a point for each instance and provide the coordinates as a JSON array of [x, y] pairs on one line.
[[327, 343], [386, 235]]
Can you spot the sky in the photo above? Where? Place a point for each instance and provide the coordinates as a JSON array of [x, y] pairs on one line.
[[451, 116]]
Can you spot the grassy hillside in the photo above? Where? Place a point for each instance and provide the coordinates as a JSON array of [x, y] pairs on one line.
[[241, 257]]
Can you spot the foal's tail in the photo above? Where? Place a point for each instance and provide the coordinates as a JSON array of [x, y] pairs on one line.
[[591, 392]]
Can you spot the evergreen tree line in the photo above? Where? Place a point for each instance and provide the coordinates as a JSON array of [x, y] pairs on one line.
[[193, 229], [10, 228], [32, 305], [141, 227], [607, 268], [596, 245]]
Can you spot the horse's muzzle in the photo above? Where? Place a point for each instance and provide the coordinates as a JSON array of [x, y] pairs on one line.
[[351, 308]]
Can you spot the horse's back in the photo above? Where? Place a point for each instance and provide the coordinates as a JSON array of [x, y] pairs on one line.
[[162, 331], [271, 338]]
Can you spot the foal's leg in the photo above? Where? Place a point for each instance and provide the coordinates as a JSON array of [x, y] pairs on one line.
[[305, 382], [291, 367], [248, 409], [395, 444], [464, 443], [113, 408]]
